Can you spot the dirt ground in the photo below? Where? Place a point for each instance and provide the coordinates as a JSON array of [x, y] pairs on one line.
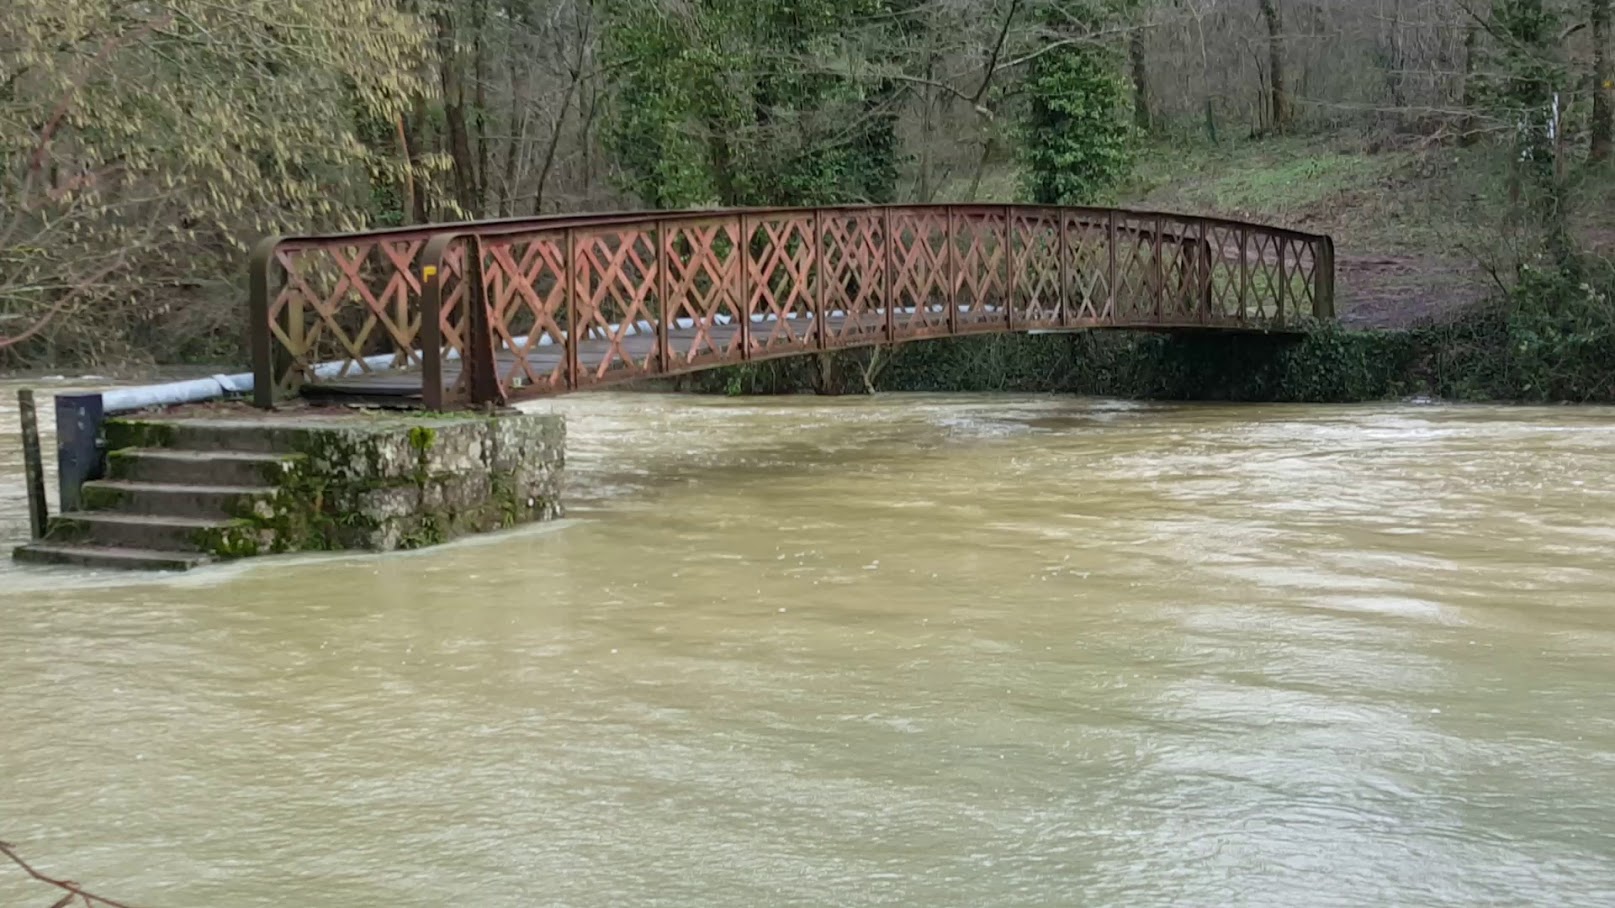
[[1403, 291]]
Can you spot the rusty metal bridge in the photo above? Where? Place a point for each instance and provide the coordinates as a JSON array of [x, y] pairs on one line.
[[489, 312]]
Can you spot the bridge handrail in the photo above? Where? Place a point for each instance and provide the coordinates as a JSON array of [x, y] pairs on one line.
[[280, 317]]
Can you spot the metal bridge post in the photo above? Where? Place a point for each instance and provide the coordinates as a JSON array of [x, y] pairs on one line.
[[261, 334], [1110, 307], [1244, 269], [1284, 277], [433, 259], [664, 357], [818, 278], [1160, 272], [483, 377], [1062, 224], [1009, 268], [1323, 305], [743, 305], [950, 267], [886, 274], [569, 285]]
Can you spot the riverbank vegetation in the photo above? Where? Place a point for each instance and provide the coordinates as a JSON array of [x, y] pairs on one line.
[[1458, 150]]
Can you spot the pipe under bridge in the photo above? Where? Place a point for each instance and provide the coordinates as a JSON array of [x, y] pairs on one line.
[[488, 312]]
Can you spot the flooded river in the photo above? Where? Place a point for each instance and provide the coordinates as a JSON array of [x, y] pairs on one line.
[[909, 650]]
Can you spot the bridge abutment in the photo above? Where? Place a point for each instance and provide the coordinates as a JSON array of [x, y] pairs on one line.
[[183, 489]]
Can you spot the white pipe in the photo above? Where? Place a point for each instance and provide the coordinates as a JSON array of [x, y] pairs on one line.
[[123, 400]]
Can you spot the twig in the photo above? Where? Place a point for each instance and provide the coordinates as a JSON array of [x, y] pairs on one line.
[[71, 888]]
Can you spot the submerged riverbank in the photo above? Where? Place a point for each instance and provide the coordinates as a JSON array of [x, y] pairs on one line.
[[1494, 353]]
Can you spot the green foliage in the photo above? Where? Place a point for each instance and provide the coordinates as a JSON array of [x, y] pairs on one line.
[[1075, 142], [747, 102], [1521, 93], [1552, 339]]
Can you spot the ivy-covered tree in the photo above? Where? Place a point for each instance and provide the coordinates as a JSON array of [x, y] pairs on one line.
[[748, 102], [1076, 142]]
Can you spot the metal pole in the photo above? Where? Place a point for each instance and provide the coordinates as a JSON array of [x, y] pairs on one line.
[[33, 463]]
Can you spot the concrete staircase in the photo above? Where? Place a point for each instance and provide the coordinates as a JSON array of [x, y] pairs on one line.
[[164, 508]]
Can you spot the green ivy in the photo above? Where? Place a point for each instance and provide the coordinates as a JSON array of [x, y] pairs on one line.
[[1076, 142], [748, 102]]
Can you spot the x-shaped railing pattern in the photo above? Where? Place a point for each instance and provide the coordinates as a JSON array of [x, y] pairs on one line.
[[490, 311]]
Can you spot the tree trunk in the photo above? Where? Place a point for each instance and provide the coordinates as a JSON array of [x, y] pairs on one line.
[[454, 119], [1603, 126], [1279, 100], [1466, 126], [1141, 82]]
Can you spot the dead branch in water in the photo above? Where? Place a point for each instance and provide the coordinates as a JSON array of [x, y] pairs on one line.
[[74, 893]]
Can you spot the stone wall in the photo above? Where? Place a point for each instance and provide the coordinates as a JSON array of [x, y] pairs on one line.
[[372, 482]]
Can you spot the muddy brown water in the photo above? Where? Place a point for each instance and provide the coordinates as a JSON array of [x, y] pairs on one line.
[[902, 650]]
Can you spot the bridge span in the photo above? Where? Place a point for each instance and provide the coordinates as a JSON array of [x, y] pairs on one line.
[[454, 315]]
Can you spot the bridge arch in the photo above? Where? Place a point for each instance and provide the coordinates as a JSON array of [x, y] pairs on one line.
[[494, 311]]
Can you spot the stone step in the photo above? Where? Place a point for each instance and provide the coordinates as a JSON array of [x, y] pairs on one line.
[[224, 468], [111, 529], [239, 435], [122, 559], [171, 499]]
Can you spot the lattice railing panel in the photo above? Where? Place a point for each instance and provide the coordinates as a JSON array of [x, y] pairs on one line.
[[1088, 270], [853, 251], [614, 275], [1036, 270], [779, 287], [919, 262], [703, 262], [354, 306], [528, 304], [981, 280]]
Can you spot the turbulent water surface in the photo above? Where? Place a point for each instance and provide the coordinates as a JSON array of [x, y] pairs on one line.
[[907, 650]]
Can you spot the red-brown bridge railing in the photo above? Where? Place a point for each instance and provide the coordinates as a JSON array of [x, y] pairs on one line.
[[482, 312]]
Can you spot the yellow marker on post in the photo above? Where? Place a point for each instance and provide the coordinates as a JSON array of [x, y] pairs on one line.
[[429, 272]]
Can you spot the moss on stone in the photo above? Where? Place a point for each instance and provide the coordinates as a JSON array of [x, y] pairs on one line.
[[372, 483], [421, 438], [240, 539], [137, 433]]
